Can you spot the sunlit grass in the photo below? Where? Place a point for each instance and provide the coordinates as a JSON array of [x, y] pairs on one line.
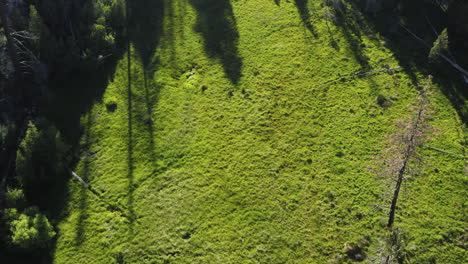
[[271, 168]]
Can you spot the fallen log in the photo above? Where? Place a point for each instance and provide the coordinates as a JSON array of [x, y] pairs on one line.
[[445, 151], [359, 74], [372, 72], [78, 178]]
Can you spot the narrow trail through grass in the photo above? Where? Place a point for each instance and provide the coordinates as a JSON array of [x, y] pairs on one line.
[[225, 147]]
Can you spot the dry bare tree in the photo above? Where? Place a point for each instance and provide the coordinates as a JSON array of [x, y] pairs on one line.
[[397, 161], [7, 28], [402, 145]]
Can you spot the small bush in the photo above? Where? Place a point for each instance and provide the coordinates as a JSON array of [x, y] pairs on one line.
[[356, 250], [395, 246], [42, 156], [383, 101], [36, 25], [10, 214], [15, 198], [111, 104], [30, 229], [98, 35], [440, 46]]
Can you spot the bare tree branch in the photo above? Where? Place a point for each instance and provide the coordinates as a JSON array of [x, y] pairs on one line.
[[25, 34]]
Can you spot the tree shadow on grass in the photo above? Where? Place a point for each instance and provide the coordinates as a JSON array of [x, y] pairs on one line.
[[130, 161], [422, 18], [171, 27], [352, 25], [73, 94], [84, 174], [217, 24], [144, 30], [411, 55], [145, 26], [333, 42], [304, 13]]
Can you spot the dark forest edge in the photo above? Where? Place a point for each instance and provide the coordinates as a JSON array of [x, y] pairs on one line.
[[49, 44]]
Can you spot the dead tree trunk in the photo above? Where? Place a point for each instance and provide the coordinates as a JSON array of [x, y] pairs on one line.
[[408, 153], [412, 135], [12, 51], [78, 178]]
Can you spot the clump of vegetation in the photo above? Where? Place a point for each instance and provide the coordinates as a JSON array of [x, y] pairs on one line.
[[440, 47], [395, 247], [6, 65], [83, 42], [357, 250], [111, 103], [28, 230], [383, 101], [14, 198], [109, 22], [354, 251], [42, 156]]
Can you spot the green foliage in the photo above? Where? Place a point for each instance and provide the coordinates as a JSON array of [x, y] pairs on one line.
[[100, 37], [111, 103], [24, 158], [78, 42], [395, 246], [15, 198], [383, 101], [42, 156], [116, 16], [28, 230], [36, 25], [109, 20], [440, 46]]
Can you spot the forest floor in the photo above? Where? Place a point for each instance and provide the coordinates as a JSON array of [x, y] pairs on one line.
[[238, 132]]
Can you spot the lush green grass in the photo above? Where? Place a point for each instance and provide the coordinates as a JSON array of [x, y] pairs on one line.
[[249, 159]]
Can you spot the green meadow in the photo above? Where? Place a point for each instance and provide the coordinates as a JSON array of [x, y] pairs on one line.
[[243, 132]]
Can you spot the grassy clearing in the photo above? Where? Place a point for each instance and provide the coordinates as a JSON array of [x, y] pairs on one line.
[[225, 147]]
